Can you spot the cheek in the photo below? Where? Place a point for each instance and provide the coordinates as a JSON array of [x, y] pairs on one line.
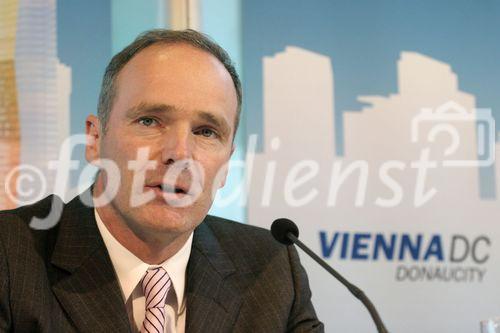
[[119, 153], [215, 171], [120, 148]]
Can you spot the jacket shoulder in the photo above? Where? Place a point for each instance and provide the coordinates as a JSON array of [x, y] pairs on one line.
[[270, 272], [244, 234], [26, 213], [248, 246], [16, 233]]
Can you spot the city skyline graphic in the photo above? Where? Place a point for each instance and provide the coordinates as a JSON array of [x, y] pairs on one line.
[[299, 140]]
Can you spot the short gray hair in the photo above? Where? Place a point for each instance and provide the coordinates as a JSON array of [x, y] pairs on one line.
[[161, 36]]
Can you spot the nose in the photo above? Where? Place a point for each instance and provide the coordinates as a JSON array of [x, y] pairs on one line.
[[178, 145]]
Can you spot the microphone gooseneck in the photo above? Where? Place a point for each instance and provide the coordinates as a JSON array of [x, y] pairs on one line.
[[287, 232]]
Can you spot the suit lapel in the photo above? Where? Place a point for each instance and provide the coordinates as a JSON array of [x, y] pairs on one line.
[[84, 281], [213, 302], [87, 288]]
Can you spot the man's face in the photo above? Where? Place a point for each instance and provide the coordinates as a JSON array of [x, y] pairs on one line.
[[179, 103]]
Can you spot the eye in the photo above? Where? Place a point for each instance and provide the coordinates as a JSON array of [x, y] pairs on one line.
[[206, 132], [146, 121]]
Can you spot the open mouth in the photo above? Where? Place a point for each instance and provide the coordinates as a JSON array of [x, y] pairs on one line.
[[175, 195], [166, 188]]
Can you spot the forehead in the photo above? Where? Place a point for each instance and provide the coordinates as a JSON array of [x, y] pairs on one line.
[[179, 75]]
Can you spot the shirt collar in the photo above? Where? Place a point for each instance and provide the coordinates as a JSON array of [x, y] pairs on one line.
[[131, 269]]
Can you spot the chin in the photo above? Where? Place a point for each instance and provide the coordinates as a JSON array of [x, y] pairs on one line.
[[157, 216], [168, 221]]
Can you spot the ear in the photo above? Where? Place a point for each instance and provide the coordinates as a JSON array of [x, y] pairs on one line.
[[93, 131], [226, 169]]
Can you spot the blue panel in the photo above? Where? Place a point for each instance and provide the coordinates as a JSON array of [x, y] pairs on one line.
[[84, 25], [221, 20], [131, 17], [84, 44]]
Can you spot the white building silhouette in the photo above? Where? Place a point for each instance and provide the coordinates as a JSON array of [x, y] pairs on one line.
[[43, 85], [284, 75]]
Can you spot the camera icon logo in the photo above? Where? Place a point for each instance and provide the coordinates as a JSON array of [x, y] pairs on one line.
[[450, 119]]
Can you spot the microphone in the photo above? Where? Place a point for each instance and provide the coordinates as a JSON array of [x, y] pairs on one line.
[[286, 232]]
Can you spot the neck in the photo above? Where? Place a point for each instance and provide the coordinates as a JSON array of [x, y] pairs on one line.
[[151, 247]]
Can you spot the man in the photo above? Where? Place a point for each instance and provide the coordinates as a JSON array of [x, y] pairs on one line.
[[147, 257]]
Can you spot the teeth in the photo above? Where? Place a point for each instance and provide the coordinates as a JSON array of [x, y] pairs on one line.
[[171, 189], [167, 188]]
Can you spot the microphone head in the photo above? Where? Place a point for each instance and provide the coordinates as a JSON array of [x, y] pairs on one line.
[[280, 229]]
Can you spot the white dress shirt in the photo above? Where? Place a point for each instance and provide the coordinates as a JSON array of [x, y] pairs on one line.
[[130, 271]]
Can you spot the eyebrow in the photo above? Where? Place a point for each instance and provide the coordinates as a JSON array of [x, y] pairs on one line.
[[146, 108]]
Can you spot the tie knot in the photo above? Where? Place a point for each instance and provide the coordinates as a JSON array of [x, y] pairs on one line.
[[155, 285]]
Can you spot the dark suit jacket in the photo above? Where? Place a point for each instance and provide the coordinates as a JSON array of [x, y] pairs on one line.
[[62, 280]]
